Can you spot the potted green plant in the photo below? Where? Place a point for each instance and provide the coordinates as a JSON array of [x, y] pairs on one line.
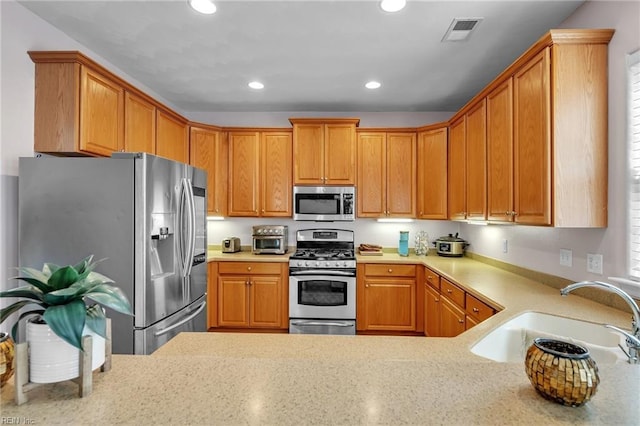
[[61, 298]]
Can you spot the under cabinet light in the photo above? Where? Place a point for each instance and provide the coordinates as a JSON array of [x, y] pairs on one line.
[[373, 85], [214, 218], [256, 85], [394, 219]]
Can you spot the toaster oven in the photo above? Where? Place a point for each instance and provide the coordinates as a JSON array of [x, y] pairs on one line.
[[270, 239]]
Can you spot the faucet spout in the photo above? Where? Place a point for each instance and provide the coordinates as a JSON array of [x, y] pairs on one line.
[[633, 338]]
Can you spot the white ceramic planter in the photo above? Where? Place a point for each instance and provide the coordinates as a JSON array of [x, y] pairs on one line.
[[51, 359]]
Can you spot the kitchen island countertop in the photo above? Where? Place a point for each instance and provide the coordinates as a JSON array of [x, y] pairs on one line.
[[280, 379]]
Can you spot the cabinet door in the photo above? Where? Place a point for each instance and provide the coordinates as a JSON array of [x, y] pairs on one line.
[[390, 304], [308, 154], [265, 296], [275, 155], [209, 151], [432, 312], [452, 318], [233, 301], [340, 154], [244, 151], [372, 170], [172, 138], [456, 170], [476, 169], [500, 153], [212, 295], [401, 174], [139, 124], [431, 170], [101, 114], [532, 141]]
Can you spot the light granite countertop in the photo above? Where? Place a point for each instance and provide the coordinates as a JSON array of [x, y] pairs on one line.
[[282, 379]]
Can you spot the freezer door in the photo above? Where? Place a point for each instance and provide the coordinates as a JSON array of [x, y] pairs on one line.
[[191, 318]]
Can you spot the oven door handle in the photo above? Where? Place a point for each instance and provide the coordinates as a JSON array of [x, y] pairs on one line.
[[331, 272], [315, 323]]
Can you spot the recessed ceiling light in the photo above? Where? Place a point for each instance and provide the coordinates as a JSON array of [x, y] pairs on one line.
[[203, 6], [392, 5], [256, 85], [372, 85]]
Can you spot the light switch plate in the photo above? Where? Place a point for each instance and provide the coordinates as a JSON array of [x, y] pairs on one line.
[[594, 263], [566, 257]]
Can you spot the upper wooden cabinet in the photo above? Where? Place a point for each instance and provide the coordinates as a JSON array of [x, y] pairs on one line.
[[324, 151], [78, 109], [476, 169], [260, 173], [172, 136], [500, 153], [431, 172], [139, 124], [558, 112], [457, 199], [210, 151], [82, 108], [386, 174]]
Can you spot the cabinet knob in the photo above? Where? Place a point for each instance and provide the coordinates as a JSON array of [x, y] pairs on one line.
[[449, 291], [246, 282], [430, 277], [461, 321], [476, 310], [366, 285], [389, 270], [248, 268], [436, 300]]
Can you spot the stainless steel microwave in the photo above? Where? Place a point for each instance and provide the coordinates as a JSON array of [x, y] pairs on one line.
[[324, 203]]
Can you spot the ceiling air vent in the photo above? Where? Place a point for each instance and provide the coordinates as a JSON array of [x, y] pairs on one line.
[[461, 28]]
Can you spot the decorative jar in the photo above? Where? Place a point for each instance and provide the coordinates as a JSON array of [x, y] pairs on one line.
[[562, 372], [7, 355]]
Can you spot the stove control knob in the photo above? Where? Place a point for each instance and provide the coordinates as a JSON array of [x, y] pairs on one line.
[[339, 263], [307, 263], [317, 263]]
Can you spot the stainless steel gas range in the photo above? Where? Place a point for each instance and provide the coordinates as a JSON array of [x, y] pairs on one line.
[[322, 283]]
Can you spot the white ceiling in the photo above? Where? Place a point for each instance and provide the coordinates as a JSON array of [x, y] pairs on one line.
[[311, 55]]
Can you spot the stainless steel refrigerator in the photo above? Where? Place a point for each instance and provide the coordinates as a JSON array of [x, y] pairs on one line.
[[145, 214]]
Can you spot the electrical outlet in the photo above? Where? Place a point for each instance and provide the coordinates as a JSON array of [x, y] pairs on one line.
[[566, 257], [505, 246], [594, 263]]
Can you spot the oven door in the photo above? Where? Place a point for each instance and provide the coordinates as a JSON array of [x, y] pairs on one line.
[[321, 295]]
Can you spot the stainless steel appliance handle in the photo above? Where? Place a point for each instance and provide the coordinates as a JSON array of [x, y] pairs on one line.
[[316, 323], [192, 226], [329, 272], [186, 244], [179, 323]]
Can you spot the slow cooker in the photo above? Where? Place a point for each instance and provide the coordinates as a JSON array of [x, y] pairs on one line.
[[450, 246]]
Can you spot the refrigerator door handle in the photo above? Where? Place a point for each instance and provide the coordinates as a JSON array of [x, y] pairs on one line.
[[192, 225], [179, 323], [186, 244]]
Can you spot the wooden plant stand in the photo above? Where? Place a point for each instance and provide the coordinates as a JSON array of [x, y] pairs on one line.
[[85, 380]]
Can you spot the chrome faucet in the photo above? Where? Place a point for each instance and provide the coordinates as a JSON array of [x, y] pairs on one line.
[[633, 338]]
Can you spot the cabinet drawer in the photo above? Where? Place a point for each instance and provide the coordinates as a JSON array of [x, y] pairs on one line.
[[389, 270], [477, 309], [253, 268], [432, 278], [452, 291]]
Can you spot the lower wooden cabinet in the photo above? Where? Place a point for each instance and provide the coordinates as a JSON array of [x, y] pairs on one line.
[[251, 295], [448, 309], [476, 311], [386, 297]]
